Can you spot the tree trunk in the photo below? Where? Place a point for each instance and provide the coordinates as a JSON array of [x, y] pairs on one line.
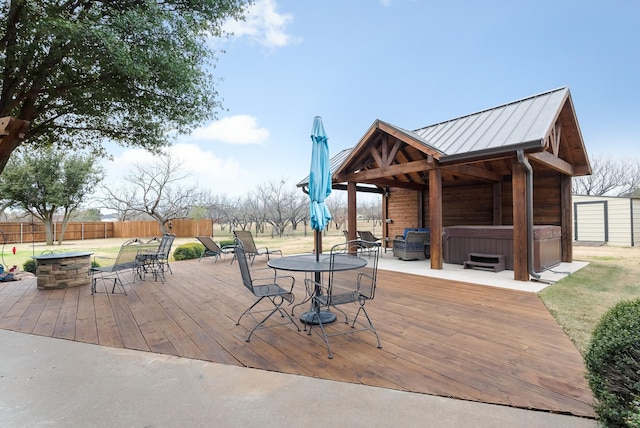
[[48, 229], [12, 131]]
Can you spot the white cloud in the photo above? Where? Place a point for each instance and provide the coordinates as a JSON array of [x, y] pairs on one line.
[[264, 25], [239, 129], [202, 166]]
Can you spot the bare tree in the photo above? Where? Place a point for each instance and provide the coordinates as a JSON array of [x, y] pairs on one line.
[[337, 204], [154, 190], [609, 177], [279, 204]]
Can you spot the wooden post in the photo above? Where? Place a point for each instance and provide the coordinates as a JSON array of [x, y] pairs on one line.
[[497, 204], [435, 217], [352, 210], [520, 247], [566, 222]]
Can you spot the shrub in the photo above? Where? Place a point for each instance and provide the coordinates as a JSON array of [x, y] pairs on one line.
[[29, 266], [192, 250], [613, 365], [228, 242]]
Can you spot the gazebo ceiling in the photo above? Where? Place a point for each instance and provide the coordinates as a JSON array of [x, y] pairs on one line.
[[480, 147]]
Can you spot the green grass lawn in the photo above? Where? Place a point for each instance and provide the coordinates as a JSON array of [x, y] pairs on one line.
[[579, 301]]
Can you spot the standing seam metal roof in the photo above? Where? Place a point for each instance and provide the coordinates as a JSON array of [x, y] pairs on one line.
[[512, 124]]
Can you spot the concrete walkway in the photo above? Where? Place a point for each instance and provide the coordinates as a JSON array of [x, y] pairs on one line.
[[47, 382]]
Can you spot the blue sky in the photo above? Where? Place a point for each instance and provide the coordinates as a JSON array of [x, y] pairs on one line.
[[412, 63]]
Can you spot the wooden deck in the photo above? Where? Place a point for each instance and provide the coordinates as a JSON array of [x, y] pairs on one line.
[[438, 337]]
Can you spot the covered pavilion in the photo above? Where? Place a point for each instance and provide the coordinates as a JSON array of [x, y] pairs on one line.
[[508, 165]]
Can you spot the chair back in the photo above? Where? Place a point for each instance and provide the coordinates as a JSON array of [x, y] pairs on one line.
[[365, 235], [165, 245], [128, 255], [209, 244], [361, 283], [246, 238], [244, 265]]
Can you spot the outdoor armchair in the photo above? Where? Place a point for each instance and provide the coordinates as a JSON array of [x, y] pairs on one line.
[[356, 286], [413, 247], [212, 249], [250, 247], [276, 289]]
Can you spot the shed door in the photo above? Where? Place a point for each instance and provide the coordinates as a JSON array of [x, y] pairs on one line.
[[591, 222]]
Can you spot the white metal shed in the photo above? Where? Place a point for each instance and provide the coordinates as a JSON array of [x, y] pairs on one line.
[[608, 219]]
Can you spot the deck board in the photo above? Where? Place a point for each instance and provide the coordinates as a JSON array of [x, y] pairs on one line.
[[439, 337]]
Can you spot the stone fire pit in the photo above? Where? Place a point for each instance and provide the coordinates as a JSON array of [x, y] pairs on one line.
[[63, 270]]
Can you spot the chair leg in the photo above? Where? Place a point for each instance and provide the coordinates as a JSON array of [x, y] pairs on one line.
[[277, 308], [324, 333], [371, 327], [249, 309]]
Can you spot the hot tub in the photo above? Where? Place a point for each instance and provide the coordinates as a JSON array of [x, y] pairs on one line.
[[459, 241]]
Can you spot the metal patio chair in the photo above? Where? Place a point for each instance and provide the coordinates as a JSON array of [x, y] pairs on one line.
[[269, 288], [154, 257], [346, 287]]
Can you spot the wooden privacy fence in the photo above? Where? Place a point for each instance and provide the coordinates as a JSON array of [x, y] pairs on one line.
[[13, 232]]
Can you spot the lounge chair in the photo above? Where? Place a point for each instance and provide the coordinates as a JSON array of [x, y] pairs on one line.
[[368, 237], [127, 261], [250, 248], [212, 249]]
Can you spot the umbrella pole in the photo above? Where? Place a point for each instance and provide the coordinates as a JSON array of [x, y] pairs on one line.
[[317, 248]]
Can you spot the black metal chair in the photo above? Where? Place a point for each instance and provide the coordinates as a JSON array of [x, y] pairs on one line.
[[262, 288], [343, 287], [153, 257]]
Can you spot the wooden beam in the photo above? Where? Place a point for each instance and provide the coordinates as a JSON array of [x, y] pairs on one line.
[[552, 162], [435, 217], [473, 171], [520, 247], [393, 152], [388, 171], [566, 221]]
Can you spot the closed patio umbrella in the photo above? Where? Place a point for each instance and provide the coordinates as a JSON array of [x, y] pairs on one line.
[[319, 189], [319, 179]]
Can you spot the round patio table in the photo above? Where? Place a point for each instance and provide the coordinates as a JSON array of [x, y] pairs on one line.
[[308, 263]]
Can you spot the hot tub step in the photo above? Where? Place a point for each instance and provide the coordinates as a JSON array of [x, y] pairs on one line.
[[494, 262]]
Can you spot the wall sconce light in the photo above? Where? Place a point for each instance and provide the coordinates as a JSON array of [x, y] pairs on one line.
[[388, 221]]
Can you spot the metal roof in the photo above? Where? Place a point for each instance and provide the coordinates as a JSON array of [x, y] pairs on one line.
[[516, 124]]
